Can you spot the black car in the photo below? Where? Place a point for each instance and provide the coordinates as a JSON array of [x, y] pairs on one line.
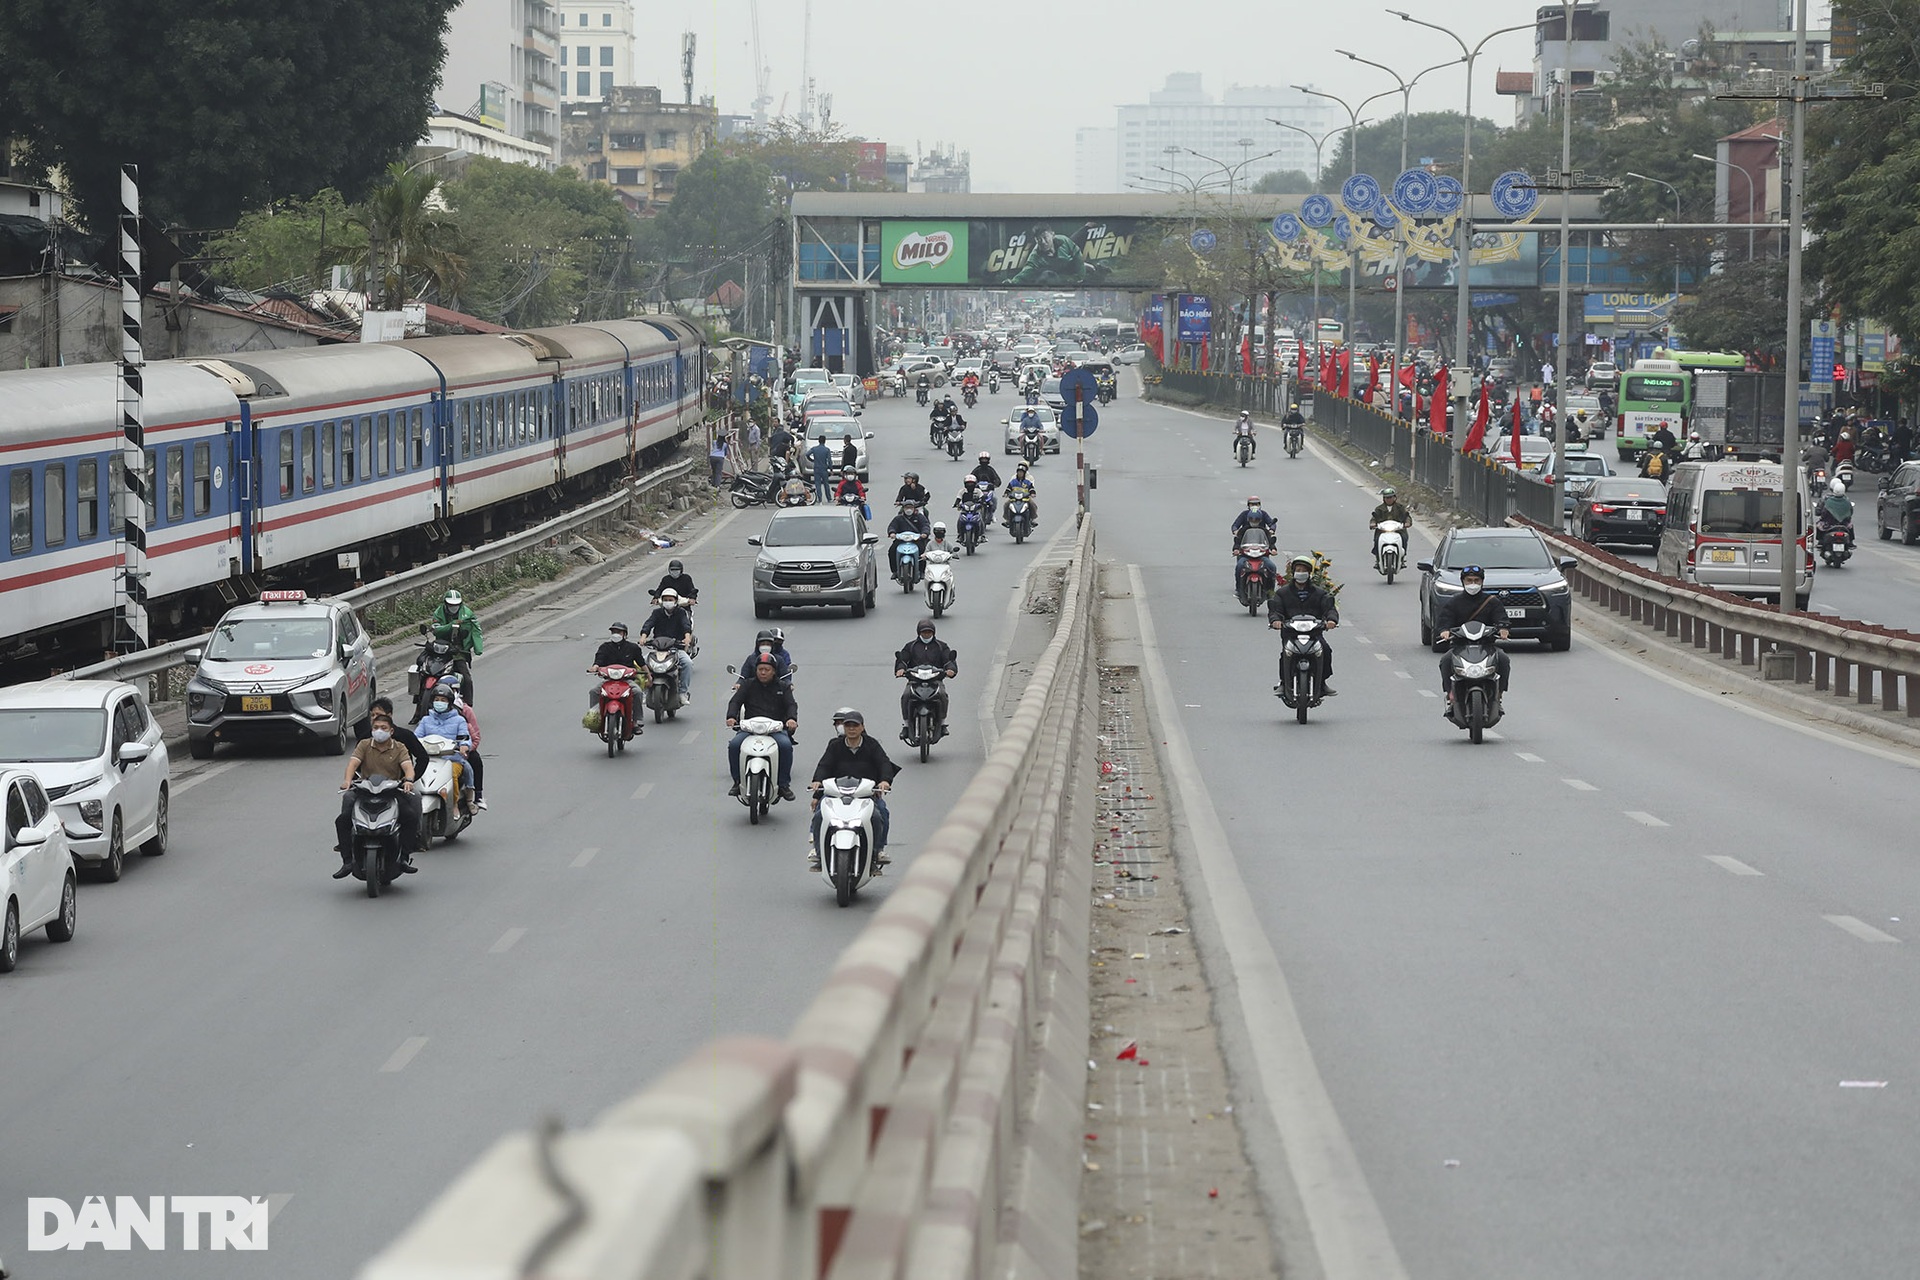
[[1621, 509], [1535, 600], [1898, 510]]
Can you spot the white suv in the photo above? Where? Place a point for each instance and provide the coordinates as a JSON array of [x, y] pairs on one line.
[[102, 759], [37, 885]]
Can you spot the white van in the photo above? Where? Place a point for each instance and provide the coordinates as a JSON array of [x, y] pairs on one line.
[[1723, 529]]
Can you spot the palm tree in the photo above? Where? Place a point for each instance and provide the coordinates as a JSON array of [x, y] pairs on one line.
[[413, 239]]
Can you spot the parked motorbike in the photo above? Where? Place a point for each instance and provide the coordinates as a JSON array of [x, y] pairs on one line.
[[1873, 456], [376, 832], [937, 580], [924, 725], [1254, 577], [753, 488], [437, 659], [845, 838], [663, 677], [972, 525], [617, 722], [906, 560], [441, 813], [759, 759], [1019, 519], [1302, 655], [1392, 555], [1474, 665]]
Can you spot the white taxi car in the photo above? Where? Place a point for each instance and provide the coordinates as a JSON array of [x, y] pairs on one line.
[[284, 668], [37, 880]]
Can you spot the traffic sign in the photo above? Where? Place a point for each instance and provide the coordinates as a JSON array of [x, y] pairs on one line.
[[1079, 388], [1079, 428], [1080, 380]]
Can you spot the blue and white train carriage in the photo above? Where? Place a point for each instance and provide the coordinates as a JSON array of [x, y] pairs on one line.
[[265, 465]]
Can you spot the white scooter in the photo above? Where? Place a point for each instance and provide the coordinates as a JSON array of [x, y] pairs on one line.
[[759, 760], [845, 839], [440, 811], [937, 578], [1393, 549]]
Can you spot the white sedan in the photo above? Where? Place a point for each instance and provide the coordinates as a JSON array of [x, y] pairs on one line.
[[37, 882], [1049, 428]]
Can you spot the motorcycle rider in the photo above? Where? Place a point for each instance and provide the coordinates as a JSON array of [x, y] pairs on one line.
[[618, 651], [940, 537], [1030, 418], [1294, 419], [444, 721], [970, 491], [1254, 517], [763, 694], [1473, 604], [1835, 511], [474, 762], [383, 705], [1022, 487], [820, 457], [988, 480], [911, 490], [457, 624], [770, 643], [378, 757], [671, 620], [1298, 597], [923, 386], [1390, 508], [925, 650], [851, 753], [779, 447], [1695, 448], [679, 580], [850, 484], [911, 519], [1243, 430]]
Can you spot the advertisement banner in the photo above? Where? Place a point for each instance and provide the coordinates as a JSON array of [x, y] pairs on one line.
[[1064, 253], [1508, 260], [1603, 308], [1820, 354], [1196, 318], [1873, 349], [923, 253]]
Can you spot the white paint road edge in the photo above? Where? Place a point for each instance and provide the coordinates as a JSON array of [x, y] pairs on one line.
[[1350, 1236]]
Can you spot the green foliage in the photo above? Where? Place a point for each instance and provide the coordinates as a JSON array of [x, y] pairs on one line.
[[1739, 310], [1284, 182], [1435, 134], [542, 248], [415, 240], [224, 104], [722, 203], [293, 243]]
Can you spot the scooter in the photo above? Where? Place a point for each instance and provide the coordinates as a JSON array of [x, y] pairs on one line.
[[937, 431], [376, 832], [436, 660], [1475, 667], [794, 492], [924, 726], [1301, 656], [753, 488], [617, 723], [441, 813], [1019, 519], [1835, 541], [663, 677], [993, 385], [1295, 439], [972, 525], [845, 839], [937, 579], [1256, 577], [1392, 556], [1243, 449], [1033, 441], [971, 396], [956, 441], [759, 758], [906, 560], [920, 395]]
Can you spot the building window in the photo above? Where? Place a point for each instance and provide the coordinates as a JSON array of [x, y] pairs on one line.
[[668, 139], [563, 55], [582, 56], [606, 84], [583, 83], [606, 55], [606, 19], [87, 491], [626, 177]]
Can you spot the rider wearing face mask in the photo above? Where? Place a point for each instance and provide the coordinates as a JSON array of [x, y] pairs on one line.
[[671, 620], [1244, 429], [442, 720], [1298, 597], [1474, 604], [378, 757], [1390, 508]]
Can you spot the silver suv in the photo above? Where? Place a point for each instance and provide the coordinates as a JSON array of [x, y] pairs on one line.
[[815, 556], [284, 668]]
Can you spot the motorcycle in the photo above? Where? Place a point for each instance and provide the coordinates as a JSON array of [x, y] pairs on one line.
[[441, 813], [937, 579], [993, 385], [972, 524], [1019, 519], [845, 838], [759, 757], [1033, 441], [906, 560], [937, 429], [920, 395], [1301, 656], [924, 725], [1295, 439], [663, 677], [1256, 577], [1243, 449], [616, 722], [1836, 543], [794, 491], [956, 440], [1873, 456], [1474, 665], [972, 397], [1392, 556], [376, 832], [436, 660], [753, 488]]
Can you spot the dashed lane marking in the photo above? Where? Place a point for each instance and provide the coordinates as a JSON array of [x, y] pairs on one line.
[[1530, 758], [1733, 865], [692, 736], [1428, 693], [1644, 819], [1859, 928], [1578, 785], [1404, 675], [642, 791], [585, 856], [1384, 657], [195, 779], [506, 940], [409, 1048]]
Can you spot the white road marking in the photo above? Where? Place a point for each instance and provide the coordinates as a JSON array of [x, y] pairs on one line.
[[1384, 657], [1644, 819], [409, 1047], [1859, 928], [1734, 865], [1404, 675], [193, 780], [692, 736], [1428, 693], [642, 791], [1578, 785], [506, 940], [1530, 758], [585, 856], [1363, 640], [1348, 1231], [1863, 1084]]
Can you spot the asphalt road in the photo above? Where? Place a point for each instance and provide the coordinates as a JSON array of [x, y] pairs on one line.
[[232, 1022], [1611, 994]]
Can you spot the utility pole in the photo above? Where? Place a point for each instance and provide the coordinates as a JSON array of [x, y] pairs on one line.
[[136, 485]]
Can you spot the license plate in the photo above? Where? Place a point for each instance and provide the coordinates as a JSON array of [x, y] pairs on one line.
[[1514, 611], [1635, 513], [806, 586], [1721, 555], [256, 704]]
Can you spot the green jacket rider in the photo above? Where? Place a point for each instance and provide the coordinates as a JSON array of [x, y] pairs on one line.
[[453, 620]]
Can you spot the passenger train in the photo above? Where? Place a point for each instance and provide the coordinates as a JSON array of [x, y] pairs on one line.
[[264, 466]]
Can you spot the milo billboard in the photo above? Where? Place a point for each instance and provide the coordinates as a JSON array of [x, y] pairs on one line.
[[923, 253]]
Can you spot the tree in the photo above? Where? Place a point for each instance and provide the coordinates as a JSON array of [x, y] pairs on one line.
[[541, 248], [414, 241], [1739, 310], [1284, 182], [224, 104], [289, 244], [722, 206], [1434, 134]]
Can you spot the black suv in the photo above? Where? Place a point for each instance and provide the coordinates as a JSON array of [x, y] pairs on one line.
[[1521, 570], [1898, 510]]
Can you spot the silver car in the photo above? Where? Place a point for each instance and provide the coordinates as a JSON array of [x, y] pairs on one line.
[[853, 388], [285, 668], [815, 556]]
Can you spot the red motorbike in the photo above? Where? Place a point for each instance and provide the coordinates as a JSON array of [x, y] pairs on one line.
[[1254, 577], [617, 694]]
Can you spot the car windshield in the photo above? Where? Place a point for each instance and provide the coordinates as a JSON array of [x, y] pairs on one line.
[[52, 736], [810, 531], [1665, 389], [1050, 387], [1586, 466], [1505, 551], [270, 639], [1741, 511], [1629, 490]]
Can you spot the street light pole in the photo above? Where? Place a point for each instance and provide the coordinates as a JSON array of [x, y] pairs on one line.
[[1675, 304], [1730, 165], [1353, 154], [1312, 264]]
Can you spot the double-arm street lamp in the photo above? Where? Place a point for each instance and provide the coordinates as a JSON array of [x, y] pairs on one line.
[[1675, 304], [1312, 264], [1734, 168], [1353, 154]]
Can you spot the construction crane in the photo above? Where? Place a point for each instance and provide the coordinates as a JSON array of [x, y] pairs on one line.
[[762, 73]]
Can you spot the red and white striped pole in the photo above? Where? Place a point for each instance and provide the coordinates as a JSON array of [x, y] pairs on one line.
[[135, 483]]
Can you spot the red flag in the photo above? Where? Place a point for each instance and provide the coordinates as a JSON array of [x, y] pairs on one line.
[[1303, 364], [1515, 433], [1477, 437], [1373, 377], [1406, 377], [1346, 372], [1246, 354], [1439, 406], [1128, 1054]]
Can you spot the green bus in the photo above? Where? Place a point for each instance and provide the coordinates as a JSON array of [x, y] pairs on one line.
[[1659, 391]]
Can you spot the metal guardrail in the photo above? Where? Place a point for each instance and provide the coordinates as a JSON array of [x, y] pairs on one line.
[[165, 657], [879, 1139], [1837, 657]]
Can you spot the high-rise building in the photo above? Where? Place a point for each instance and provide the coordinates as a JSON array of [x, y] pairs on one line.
[[596, 48], [1096, 158], [1180, 119], [502, 67]]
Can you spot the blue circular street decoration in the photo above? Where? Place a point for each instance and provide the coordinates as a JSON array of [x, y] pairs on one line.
[[1448, 195], [1316, 211], [1384, 216], [1413, 192], [1514, 195], [1203, 241], [1286, 228], [1343, 228], [1360, 192]]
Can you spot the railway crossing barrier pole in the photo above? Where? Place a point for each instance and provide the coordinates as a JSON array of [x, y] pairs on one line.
[[130, 626]]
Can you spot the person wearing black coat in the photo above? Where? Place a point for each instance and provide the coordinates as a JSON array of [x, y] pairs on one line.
[[764, 694], [1298, 597], [925, 649]]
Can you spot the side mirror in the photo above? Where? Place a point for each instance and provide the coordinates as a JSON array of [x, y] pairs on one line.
[[29, 838], [193, 656], [1425, 566], [755, 542], [869, 539], [1568, 562], [732, 670], [868, 436], [133, 753]]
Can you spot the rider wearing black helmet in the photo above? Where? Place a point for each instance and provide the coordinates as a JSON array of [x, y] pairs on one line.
[[618, 651], [1298, 597], [677, 579], [1473, 604], [924, 650], [911, 490]]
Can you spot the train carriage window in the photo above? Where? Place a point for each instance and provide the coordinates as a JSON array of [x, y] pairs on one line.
[[309, 460], [502, 432], [327, 443], [87, 494], [286, 463], [203, 476], [419, 439], [380, 453], [399, 454], [20, 510], [462, 424], [147, 479], [366, 447], [347, 475], [55, 493], [177, 484]]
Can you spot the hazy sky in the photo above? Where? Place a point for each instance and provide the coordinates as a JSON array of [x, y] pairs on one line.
[[1011, 80]]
